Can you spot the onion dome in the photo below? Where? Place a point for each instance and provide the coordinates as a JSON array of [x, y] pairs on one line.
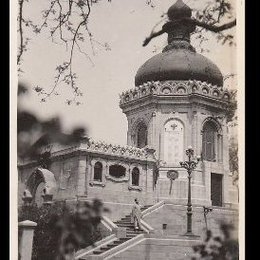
[[179, 60]]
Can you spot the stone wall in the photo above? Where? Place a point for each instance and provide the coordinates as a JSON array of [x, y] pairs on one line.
[[174, 216], [118, 193], [158, 249], [65, 172], [169, 243]]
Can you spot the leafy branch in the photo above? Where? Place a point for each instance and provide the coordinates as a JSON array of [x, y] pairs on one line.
[[66, 21]]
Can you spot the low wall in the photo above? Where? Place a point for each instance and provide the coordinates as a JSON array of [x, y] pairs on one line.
[[158, 248], [175, 218]]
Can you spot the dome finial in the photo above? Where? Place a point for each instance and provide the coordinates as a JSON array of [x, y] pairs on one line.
[[179, 27], [179, 10], [179, 60]]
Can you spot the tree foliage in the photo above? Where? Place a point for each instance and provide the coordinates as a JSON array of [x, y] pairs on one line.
[[30, 128], [66, 22], [233, 162], [232, 107], [61, 230], [222, 247]]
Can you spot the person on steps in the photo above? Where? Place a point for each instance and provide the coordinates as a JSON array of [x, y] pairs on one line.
[[136, 215]]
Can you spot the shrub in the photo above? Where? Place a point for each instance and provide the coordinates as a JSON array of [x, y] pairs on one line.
[[60, 230], [218, 247]]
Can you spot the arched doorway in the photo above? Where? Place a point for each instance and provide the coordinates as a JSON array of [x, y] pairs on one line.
[[39, 180]]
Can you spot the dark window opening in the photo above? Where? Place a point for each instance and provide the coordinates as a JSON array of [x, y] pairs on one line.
[[135, 176], [209, 142], [141, 136], [216, 189], [117, 171], [98, 171]]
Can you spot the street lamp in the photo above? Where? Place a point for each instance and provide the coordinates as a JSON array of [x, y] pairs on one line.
[[189, 165]]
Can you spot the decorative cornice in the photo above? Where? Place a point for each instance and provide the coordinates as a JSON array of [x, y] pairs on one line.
[[174, 88], [121, 151], [102, 148]]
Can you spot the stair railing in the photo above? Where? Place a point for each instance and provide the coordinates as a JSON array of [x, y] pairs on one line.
[[153, 208]]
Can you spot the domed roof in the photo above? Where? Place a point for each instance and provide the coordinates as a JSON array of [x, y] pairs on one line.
[[179, 64], [179, 60]]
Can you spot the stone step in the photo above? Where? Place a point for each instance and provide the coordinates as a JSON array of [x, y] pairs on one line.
[[134, 233], [122, 221], [123, 239], [126, 225], [130, 232], [107, 247], [111, 245], [133, 229], [131, 235], [128, 218], [116, 243], [98, 252]]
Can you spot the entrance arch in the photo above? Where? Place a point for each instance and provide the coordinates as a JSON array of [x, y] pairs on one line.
[[40, 180]]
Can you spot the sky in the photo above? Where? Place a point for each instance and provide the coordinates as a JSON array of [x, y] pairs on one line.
[[123, 24]]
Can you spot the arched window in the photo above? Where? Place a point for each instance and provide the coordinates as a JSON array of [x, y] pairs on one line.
[[173, 141], [135, 176], [209, 141], [141, 140], [98, 171]]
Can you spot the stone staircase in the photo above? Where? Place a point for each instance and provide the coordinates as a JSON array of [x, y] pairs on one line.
[[131, 233]]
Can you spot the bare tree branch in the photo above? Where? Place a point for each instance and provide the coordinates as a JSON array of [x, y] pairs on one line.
[[172, 24], [214, 28]]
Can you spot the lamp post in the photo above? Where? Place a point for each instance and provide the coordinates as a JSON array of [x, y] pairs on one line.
[[189, 165]]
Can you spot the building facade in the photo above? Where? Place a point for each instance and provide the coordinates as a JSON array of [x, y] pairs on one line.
[[178, 101]]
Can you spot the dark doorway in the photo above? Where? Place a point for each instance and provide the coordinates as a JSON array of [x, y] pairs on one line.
[[216, 189]]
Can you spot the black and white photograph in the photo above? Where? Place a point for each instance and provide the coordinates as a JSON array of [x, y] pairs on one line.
[[127, 130]]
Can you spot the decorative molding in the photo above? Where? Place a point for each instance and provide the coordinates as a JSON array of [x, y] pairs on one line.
[[174, 88], [132, 187], [114, 179], [125, 178], [99, 148], [97, 183], [214, 121], [119, 150]]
